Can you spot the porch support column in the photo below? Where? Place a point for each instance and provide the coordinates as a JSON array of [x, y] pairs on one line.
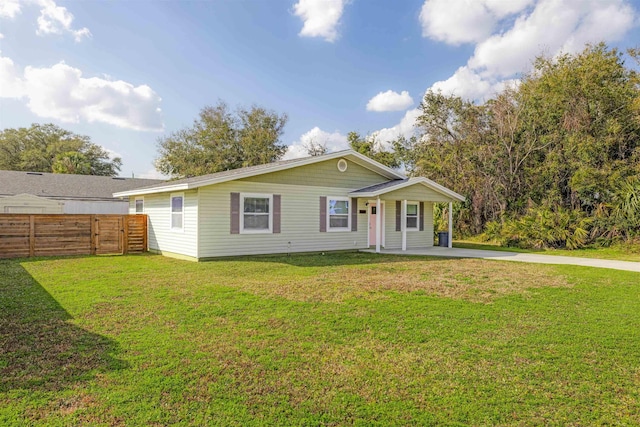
[[403, 225], [378, 224], [450, 224]]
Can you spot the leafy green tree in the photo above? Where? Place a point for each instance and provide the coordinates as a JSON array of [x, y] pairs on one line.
[[372, 149], [553, 150], [71, 162], [220, 140], [49, 148]]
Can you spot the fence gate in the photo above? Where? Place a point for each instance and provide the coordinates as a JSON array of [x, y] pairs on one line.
[[108, 234]]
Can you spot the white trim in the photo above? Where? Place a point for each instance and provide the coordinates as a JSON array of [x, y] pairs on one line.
[[352, 155], [450, 243], [406, 215], [349, 210], [270, 213], [171, 227], [378, 227], [371, 203], [407, 183], [403, 223], [135, 205]]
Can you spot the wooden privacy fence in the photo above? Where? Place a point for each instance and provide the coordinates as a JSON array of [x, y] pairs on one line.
[[23, 235]]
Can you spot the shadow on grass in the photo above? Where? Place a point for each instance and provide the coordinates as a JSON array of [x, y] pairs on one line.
[[39, 348]]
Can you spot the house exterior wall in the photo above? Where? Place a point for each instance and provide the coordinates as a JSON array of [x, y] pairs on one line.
[[29, 204], [300, 221], [94, 207], [325, 173], [416, 192], [161, 237]]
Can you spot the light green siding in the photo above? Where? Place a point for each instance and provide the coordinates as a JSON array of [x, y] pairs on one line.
[[300, 222], [323, 174], [416, 192], [161, 237]]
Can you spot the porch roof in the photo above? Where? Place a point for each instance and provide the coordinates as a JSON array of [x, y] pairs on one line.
[[389, 186]]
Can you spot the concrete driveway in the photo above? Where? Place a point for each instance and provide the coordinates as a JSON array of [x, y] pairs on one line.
[[516, 256]]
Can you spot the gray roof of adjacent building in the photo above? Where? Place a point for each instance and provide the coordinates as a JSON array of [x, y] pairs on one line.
[[67, 186]]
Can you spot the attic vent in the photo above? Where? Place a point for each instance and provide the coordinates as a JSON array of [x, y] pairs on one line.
[[34, 173], [119, 179], [342, 165]]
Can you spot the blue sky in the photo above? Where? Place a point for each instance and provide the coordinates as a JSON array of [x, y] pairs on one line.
[[126, 73]]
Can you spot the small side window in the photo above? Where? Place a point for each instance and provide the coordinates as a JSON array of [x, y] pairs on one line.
[[177, 214], [139, 205]]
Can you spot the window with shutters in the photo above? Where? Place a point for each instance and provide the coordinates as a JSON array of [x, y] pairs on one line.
[[413, 212], [256, 213], [177, 211], [338, 214]]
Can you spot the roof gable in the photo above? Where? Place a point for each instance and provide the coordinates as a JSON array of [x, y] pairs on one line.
[[383, 171], [392, 186]]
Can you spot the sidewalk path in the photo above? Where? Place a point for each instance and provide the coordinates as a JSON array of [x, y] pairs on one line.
[[516, 256]]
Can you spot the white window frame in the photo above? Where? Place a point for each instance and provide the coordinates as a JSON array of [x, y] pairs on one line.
[[135, 205], [257, 196], [406, 216], [171, 227], [339, 199]]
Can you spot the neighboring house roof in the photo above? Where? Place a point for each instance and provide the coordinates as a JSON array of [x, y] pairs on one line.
[[67, 186], [387, 187], [230, 175]]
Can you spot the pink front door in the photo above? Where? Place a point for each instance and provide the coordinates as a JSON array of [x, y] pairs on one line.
[[373, 212]]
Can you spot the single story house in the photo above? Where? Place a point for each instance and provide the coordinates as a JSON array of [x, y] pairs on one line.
[[336, 201], [52, 193]]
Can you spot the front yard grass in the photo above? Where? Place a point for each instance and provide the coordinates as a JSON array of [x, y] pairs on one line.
[[339, 339]]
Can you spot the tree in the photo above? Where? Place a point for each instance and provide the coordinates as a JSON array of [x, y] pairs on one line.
[[71, 162], [370, 147], [49, 148], [314, 148], [557, 146], [222, 140]]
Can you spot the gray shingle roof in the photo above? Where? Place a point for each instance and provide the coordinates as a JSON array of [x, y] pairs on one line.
[[381, 186], [63, 186]]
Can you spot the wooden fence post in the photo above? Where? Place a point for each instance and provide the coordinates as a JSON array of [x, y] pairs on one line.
[[92, 220], [32, 236], [125, 234]]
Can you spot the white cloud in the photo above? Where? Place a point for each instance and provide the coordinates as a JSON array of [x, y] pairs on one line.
[[464, 21], [405, 128], [390, 101], [334, 141], [60, 92], [548, 26], [53, 19], [320, 17], [10, 8], [56, 19], [11, 86]]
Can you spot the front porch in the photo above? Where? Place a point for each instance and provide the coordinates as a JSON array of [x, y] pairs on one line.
[[400, 213]]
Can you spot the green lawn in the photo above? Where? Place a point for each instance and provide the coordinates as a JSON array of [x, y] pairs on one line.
[[620, 252], [340, 339]]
